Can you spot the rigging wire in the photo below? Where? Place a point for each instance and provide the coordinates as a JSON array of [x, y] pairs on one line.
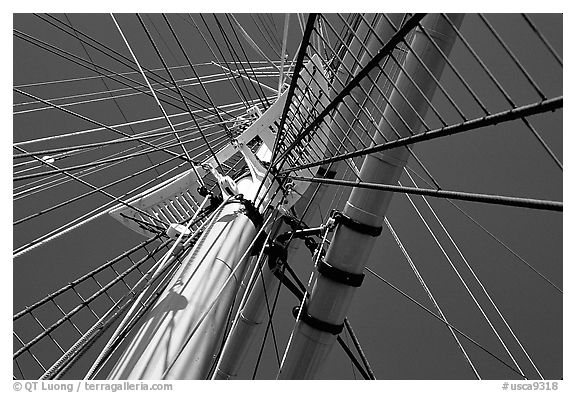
[[53, 183], [503, 92], [154, 94], [268, 31], [431, 313], [85, 78], [84, 63], [234, 56], [269, 324], [99, 189], [284, 55], [126, 325], [266, 39], [149, 303], [119, 125], [356, 343], [91, 146], [251, 42], [246, 57], [300, 292], [213, 303], [542, 39], [340, 186], [216, 78], [479, 225], [99, 162], [235, 87], [449, 260], [198, 101], [84, 219], [163, 127], [183, 100], [77, 198], [84, 303], [351, 363], [535, 204], [98, 124], [104, 82], [445, 230], [304, 297], [102, 324], [201, 84], [431, 297], [384, 51]]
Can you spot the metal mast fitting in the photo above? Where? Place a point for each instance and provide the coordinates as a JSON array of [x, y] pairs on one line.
[[253, 313], [184, 328], [181, 333], [350, 248]]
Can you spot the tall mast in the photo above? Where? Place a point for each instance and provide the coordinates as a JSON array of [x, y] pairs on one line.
[[181, 333], [253, 313], [362, 218], [250, 317]]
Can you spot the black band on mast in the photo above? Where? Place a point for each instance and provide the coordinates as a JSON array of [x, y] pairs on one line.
[[316, 323], [250, 211], [357, 226], [338, 275]]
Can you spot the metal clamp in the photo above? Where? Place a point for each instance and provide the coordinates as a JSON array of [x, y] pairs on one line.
[[250, 211], [338, 275], [340, 218], [316, 323], [275, 252]]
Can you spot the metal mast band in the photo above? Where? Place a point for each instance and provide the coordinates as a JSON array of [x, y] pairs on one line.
[[316, 323], [338, 275], [357, 226]]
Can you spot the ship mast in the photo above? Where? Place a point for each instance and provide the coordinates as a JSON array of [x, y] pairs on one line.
[[252, 315], [180, 336], [324, 309]]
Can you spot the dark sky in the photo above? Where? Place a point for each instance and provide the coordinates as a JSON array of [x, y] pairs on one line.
[[400, 340]]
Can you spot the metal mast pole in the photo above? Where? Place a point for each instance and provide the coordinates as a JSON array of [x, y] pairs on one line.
[[253, 313], [331, 293], [181, 334], [250, 318]]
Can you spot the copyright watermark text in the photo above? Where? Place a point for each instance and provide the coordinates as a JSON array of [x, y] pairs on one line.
[[89, 386], [538, 385]]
